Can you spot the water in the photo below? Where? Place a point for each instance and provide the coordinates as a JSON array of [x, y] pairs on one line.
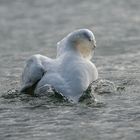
[[31, 26]]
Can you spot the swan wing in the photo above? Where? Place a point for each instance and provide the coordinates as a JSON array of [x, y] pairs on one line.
[[34, 70]]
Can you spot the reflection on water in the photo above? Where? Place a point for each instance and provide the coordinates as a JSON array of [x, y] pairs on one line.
[[31, 26]]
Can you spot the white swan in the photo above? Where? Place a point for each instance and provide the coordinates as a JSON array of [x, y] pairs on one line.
[[70, 73]]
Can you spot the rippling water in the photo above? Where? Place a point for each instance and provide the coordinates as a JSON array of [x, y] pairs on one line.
[[34, 26]]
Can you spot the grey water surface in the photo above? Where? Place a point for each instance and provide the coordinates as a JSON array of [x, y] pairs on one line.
[[28, 27]]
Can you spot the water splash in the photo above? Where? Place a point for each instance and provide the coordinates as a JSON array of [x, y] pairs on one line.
[[50, 96], [103, 86]]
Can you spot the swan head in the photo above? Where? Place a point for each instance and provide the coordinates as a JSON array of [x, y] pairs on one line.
[[81, 41]]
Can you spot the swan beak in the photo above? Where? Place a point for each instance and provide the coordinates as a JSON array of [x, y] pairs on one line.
[[93, 44]]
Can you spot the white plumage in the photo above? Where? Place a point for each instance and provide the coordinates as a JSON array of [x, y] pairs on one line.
[[70, 73]]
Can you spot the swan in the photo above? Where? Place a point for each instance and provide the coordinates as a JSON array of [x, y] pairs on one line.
[[70, 73]]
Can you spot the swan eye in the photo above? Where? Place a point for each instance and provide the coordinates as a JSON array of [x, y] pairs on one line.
[[87, 36]]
